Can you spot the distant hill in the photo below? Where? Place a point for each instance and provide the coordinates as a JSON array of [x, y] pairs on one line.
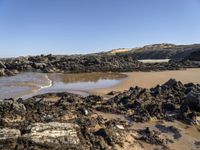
[[158, 51]]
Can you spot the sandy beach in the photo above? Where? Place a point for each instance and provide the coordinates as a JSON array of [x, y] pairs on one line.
[[151, 79]]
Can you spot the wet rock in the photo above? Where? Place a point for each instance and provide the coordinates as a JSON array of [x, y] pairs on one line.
[[109, 137], [150, 136], [170, 129]]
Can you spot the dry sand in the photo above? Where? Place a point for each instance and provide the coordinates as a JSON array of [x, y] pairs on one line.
[[151, 79]]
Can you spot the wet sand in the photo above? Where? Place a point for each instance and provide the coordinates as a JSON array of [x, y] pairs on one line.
[[183, 139], [151, 79]]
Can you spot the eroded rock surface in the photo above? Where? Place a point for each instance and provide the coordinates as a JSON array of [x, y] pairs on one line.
[[53, 135]]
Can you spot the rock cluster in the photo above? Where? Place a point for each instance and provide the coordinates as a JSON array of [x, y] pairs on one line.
[[76, 64], [172, 100], [70, 121], [85, 63]]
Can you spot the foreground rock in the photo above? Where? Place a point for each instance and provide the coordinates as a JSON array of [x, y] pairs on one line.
[[170, 101], [74, 122], [51, 135]]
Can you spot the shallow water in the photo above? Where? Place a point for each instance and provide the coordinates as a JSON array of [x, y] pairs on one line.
[[21, 84], [29, 84]]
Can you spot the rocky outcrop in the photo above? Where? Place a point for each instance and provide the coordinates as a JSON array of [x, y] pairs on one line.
[[77, 64], [140, 104], [102, 62]]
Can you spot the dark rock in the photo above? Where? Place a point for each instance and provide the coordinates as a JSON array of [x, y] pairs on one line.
[[192, 99], [174, 130], [149, 136], [109, 137], [113, 93], [168, 106]]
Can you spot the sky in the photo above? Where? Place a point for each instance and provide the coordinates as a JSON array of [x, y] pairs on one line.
[[34, 27]]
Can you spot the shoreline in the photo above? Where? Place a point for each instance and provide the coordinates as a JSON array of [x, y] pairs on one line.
[[153, 78], [131, 79]]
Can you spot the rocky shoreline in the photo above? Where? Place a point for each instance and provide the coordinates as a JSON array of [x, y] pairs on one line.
[[69, 121], [87, 63]]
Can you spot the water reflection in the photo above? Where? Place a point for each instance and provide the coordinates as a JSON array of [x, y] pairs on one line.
[[29, 84], [85, 77]]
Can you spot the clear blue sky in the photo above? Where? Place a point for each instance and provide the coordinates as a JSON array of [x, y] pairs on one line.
[[85, 26]]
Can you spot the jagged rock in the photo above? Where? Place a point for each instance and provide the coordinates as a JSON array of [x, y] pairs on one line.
[[109, 137], [170, 83], [12, 105], [150, 136], [192, 99]]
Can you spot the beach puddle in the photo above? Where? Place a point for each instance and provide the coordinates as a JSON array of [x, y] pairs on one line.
[[29, 84]]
